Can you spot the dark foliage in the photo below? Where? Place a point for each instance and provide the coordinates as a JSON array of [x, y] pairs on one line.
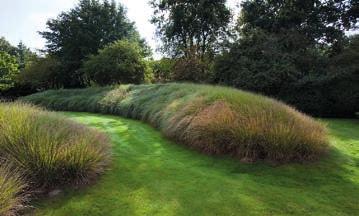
[[319, 21], [262, 62], [336, 93], [192, 68], [42, 73], [19, 90], [119, 62], [296, 51]]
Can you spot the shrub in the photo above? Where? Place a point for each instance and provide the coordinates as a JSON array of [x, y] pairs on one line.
[[11, 191], [42, 73], [8, 70], [334, 93], [162, 69], [48, 149], [215, 120], [192, 68], [119, 62]]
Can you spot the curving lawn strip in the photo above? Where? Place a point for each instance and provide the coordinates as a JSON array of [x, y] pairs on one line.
[[152, 176], [215, 120]]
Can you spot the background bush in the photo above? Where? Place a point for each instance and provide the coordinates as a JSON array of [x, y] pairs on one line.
[[192, 68], [162, 69], [8, 70], [332, 93], [214, 120], [42, 73], [119, 62]]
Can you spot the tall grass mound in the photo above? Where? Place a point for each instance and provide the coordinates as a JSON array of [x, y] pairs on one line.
[[47, 151], [214, 120]]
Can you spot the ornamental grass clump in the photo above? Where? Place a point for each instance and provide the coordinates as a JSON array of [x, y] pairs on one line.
[[43, 150], [12, 191], [48, 148], [212, 119]]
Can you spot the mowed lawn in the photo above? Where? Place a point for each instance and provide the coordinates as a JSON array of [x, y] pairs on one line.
[[153, 176]]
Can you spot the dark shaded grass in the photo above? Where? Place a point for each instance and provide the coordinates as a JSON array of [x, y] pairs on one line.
[[214, 120]]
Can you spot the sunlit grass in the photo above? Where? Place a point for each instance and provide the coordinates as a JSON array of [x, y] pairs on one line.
[[153, 176], [214, 120]]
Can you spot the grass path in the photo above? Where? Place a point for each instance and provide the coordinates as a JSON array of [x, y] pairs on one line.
[[153, 176]]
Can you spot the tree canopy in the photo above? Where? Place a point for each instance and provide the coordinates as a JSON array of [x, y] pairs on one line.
[[21, 52], [8, 70], [5, 46], [318, 21], [183, 24], [286, 49], [82, 31]]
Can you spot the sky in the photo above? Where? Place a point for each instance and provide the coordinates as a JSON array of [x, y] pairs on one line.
[[20, 20]]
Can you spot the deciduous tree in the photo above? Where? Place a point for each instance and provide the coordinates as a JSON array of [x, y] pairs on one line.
[[118, 63], [82, 31], [8, 70], [184, 24]]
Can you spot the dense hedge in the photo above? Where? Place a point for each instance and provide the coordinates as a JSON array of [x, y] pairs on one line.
[[328, 97], [309, 79], [215, 120]]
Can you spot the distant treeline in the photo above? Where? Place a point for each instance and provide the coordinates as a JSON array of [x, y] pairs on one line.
[[296, 50]]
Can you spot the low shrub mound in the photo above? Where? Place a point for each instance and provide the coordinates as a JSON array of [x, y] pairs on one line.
[[214, 120], [47, 150]]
